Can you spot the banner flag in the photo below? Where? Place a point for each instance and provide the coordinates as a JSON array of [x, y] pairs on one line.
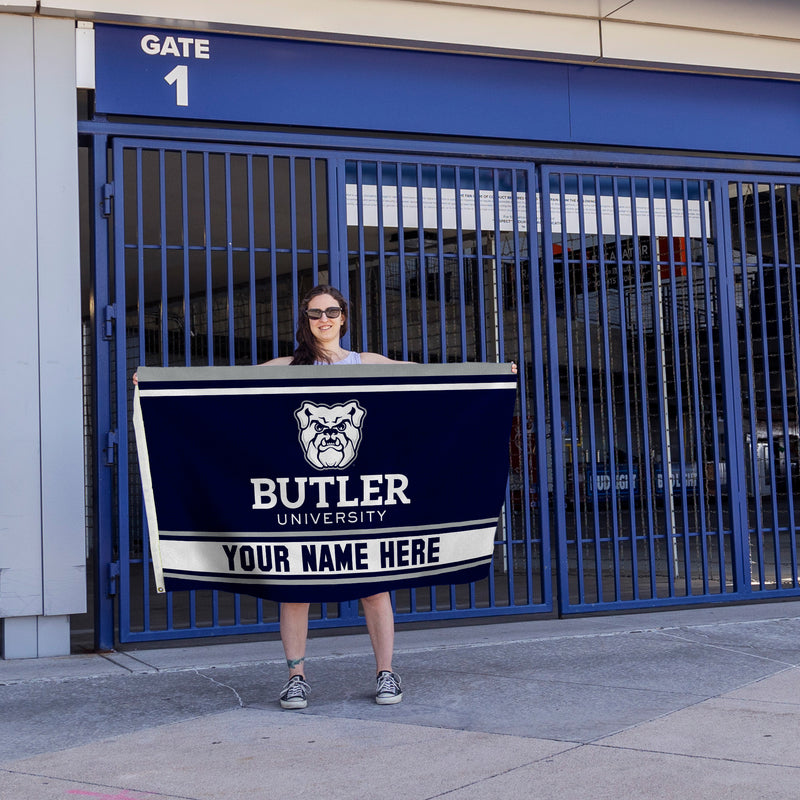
[[307, 484]]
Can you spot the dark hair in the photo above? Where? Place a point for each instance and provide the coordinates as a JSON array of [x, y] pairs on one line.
[[308, 350]]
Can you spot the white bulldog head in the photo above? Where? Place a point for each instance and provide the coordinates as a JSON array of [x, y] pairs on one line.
[[330, 435]]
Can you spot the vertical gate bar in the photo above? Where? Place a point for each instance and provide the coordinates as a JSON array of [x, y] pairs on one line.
[[481, 337], [482, 355], [384, 343], [463, 325], [122, 391], [120, 385], [791, 265], [314, 233], [162, 246], [102, 378], [753, 455], [441, 286], [676, 372], [767, 379], [696, 389], [165, 349], [139, 255], [712, 299], [251, 248], [214, 608], [251, 264], [401, 269], [604, 322], [441, 263], [499, 306], [498, 270], [751, 380], [623, 324], [573, 400], [507, 519], [516, 218], [460, 263], [208, 246], [361, 258], [587, 339], [480, 257], [647, 482], [273, 257], [187, 301], [293, 236], [338, 248], [784, 398], [554, 385], [539, 368], [658, 316], [338, 257], [229, 260], [423, 266]]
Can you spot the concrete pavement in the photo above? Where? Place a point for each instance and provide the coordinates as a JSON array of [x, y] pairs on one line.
[[695, 703]]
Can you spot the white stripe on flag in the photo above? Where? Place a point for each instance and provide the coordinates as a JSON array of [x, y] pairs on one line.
[[332, 559], [306, 389]]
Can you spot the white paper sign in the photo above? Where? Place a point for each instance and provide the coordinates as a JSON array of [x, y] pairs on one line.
[[514, 216]]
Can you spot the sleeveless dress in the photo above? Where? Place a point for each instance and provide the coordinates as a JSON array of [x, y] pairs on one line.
[[351, 358]]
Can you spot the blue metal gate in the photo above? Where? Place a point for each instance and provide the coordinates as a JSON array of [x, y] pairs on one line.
[[765, 241], [213, 245], [654, 317], [674, 328]]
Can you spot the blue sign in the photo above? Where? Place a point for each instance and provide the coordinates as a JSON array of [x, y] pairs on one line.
[[323, 484], [689, 483], [600, 483], [159, 72]]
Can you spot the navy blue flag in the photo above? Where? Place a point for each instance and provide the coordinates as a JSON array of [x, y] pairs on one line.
[[306, 484]]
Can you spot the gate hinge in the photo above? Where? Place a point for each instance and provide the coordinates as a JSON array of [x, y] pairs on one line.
[[109, 315], [112, 439], [113, 574], [108, 193]]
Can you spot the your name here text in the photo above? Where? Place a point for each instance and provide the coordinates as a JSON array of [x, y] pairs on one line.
[[334, 557]]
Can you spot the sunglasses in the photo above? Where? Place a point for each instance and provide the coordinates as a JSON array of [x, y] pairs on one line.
[[330, 313]]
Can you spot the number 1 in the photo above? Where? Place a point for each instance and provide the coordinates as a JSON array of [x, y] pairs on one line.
[[180, 76]]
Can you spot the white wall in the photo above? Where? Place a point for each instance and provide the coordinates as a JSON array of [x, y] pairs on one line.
[[726, 36], [42, 525]]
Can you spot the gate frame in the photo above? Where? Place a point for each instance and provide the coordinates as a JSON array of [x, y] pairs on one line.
[[99, 133], [730, 376], [108, 242]]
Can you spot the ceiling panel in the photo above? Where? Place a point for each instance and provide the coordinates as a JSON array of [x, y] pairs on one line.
[[779, 18]]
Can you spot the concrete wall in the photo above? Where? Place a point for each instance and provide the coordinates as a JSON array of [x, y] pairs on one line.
[[42, 525]]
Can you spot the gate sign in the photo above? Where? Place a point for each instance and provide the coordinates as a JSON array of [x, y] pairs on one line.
[[323, 484]]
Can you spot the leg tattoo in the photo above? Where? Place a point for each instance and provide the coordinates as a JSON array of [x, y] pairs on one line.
[[294, 662]]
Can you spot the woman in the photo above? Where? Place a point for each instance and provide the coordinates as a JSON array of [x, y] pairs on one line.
[[321, 324]]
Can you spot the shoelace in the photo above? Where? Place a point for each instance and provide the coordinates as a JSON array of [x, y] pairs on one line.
[[387, 684], [296, 687]]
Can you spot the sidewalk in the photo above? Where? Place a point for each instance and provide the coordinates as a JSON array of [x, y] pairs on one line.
[[699, 703]]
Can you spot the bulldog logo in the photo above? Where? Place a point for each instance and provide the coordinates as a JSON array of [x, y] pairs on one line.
[[330, 435]]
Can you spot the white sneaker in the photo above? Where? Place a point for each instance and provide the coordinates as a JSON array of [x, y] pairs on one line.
[[295, 693], [389, 689]]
